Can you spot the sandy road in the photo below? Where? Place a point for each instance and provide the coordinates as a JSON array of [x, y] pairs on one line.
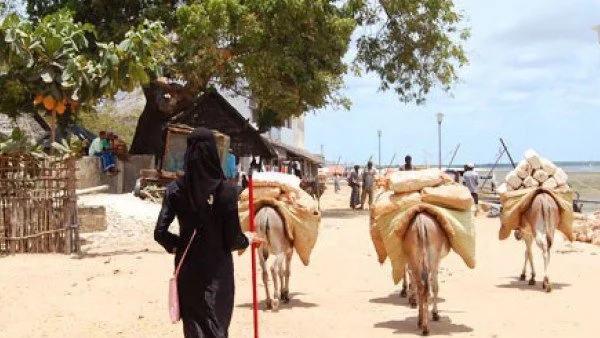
[[121, 292]]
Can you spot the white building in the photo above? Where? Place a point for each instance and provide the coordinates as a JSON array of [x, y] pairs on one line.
[[291, 133]]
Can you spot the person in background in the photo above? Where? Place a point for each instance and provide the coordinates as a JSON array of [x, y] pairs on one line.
[[118, 147], [368, 184], [471, 181], [336, 182], [205, 204], [407, 163], [230, 168], [296, 171], [100, 147], [354, 182]]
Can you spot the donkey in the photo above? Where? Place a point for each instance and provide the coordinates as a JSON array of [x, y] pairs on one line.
[[542, 219], [271, 227], [425, 244]]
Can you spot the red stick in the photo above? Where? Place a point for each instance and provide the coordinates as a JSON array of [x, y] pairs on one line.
[[252, 228]]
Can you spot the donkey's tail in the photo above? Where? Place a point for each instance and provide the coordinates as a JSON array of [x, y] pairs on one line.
[[424, 238], [549, 221]]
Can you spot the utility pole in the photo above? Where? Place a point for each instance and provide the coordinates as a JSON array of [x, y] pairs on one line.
[[440, 118], [379, 136]]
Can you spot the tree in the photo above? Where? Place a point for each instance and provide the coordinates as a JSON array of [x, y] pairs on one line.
[[56, 62], [287, 54]]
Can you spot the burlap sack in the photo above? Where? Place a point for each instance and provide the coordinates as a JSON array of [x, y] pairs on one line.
[[453, 196], [409, 181], [516, 203], [289, 184], [388, 201], [458, 225], [261, 193], [301, 223]]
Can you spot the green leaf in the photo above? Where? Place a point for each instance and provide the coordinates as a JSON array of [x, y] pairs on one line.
[[53, 44]]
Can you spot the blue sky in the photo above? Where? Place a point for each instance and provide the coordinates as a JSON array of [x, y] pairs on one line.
[[533, 79]]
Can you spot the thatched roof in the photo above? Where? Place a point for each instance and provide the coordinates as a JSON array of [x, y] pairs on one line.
[[213, 111]]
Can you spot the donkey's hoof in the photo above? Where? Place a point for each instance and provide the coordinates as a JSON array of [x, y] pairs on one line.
[[275, 305], [269, 304], [546, 285], [413, 303], [285, 297], [435, 316], [403, 293], [426, 332], [532, 281], [522, 278]]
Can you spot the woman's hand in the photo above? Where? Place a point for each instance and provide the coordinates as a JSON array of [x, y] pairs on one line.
[[254, 238]]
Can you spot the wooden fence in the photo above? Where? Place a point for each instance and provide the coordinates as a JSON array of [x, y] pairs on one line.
[[38, 205]]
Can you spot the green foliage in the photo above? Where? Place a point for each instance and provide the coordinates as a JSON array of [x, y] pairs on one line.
[[19, 143], [289, 54], [417, 45], [59, 57], [121, 124]]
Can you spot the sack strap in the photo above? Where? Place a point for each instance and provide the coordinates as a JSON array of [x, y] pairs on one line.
[[184, 254]]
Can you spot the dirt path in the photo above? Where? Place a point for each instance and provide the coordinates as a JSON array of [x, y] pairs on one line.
[[343, 293]]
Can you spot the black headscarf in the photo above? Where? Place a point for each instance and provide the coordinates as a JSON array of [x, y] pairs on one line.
[[202, 167]]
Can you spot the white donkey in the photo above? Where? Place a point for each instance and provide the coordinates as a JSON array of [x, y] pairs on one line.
[[270, 226], [542, 218]]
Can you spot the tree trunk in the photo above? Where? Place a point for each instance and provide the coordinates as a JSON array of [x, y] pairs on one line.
[[159, 108]]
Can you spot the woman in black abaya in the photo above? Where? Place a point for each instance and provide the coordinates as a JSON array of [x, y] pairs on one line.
[[204, 201]]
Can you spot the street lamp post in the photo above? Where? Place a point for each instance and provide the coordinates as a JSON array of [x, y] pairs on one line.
[[440, 118], [379, 136]]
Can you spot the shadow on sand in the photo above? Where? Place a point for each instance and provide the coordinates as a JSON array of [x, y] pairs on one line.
[[443, 327], [85, 255], [395, 299], [515, 283], [344, 213], [294, 303]]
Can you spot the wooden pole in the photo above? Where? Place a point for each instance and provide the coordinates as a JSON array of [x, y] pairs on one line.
[[253, 249], [53, 127]]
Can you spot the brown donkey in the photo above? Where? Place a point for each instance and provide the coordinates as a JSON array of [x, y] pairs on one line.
[[425, 243], [541, 219]]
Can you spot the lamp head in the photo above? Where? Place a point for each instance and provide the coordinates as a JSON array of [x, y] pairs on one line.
[[440, 117]]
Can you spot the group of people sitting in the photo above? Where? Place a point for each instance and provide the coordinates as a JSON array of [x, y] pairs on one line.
[[108, 146]]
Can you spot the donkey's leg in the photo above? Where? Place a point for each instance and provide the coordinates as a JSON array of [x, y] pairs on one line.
[[285, 294], [412, 290], [529, 242], [424, 306], [524, 273], [542, 243], [435, 286], [265, 275], [404, 292], [275, 268]]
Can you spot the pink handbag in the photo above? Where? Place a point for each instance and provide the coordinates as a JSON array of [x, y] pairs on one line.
[[173, 294]]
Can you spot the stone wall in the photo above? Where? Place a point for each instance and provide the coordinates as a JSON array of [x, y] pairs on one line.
[[89, 173]]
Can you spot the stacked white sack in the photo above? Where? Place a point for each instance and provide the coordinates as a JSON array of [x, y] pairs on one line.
[[541, 176], [533, 172], [513, 180], [533, 158]]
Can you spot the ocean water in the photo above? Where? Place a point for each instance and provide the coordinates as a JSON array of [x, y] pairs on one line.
[[575, 167]]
